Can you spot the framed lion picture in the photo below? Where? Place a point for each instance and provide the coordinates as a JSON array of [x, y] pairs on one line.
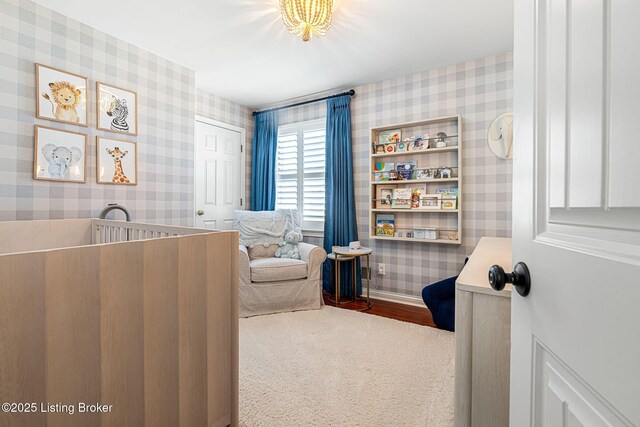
[[117, 109], [61, 96]]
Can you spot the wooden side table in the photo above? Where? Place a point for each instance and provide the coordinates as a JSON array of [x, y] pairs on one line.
[[344, 253]]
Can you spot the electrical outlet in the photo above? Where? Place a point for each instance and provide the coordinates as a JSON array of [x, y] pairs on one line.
[[381, 269]]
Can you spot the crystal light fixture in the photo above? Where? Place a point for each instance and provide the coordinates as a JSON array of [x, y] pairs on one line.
[[307, 18]]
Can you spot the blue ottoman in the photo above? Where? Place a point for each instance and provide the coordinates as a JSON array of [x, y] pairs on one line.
[[440, 298]]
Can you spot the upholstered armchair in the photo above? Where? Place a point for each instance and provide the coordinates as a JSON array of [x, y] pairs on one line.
[[272, 285]]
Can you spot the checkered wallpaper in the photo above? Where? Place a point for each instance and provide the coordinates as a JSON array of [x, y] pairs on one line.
[[479, 90], [166, 95], [223, 110]]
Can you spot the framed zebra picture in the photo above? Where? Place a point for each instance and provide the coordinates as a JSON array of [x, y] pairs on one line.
[[117, 109]]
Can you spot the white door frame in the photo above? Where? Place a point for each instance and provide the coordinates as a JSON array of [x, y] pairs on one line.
[[243, 159]]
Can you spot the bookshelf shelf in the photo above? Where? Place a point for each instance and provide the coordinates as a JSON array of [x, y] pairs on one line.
[[416, 211], [419, 219], [416, 181], [411, 153], [411, 239]]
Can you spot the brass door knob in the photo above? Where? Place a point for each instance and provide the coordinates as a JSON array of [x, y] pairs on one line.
[[200, 212]]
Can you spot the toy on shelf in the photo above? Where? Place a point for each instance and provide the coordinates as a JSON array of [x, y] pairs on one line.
[[441, 141]]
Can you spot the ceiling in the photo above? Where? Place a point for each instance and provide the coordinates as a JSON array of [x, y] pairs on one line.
[[240, 49]]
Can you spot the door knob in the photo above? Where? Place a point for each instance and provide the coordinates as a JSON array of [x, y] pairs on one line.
[[519, 278], [200, 212]]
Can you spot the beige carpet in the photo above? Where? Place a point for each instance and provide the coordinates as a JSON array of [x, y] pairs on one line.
[[334, 367]]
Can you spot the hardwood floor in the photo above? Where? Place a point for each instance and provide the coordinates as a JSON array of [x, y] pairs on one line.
[[392, 310]]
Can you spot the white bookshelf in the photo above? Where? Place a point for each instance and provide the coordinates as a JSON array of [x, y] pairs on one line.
[[450, 156]]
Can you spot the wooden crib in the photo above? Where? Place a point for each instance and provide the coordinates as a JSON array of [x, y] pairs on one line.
[[140, 318]]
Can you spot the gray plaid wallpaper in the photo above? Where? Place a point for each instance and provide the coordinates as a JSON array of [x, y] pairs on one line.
[[223, 110], [166, 95], [479, 90]]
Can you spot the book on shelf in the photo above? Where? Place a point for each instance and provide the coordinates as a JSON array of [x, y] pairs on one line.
[[385, 225], [452, 191], [401, 198], [384, 166], [449, 197], [384, 171], [405, 169], [402, 147], [449, 202]]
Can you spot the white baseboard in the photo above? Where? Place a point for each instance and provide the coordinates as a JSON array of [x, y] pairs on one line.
[[394, 297]]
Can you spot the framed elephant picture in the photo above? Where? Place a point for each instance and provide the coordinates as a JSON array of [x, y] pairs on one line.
[[117, 109], [59, 155], [117, 161], [61, 96]]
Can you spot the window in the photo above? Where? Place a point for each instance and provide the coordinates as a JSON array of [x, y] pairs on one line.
[[300, 171]]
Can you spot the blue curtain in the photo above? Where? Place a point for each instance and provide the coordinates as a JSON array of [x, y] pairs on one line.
[[340, 225], [263, 162]]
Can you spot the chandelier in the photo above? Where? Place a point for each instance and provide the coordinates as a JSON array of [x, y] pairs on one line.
[[307, 18]]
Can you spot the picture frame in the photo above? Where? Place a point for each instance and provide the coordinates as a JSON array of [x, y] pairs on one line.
[[116, 161], [430, 202], [61, 96], [390, 136], [116, 109], [59, 155], [423, 174], [377, 148], [384, 196]]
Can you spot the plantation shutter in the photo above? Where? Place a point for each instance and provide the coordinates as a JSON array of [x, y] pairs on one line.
[[313, 175], [300, 171], [287, 171]]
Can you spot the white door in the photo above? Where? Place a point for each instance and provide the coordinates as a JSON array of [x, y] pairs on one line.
[[219, 173], [575, 356]]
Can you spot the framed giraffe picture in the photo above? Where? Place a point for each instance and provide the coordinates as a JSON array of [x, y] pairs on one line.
[[116, 162], [117, 109]]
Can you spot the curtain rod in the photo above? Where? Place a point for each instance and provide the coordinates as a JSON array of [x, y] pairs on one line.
[[311, 101]]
